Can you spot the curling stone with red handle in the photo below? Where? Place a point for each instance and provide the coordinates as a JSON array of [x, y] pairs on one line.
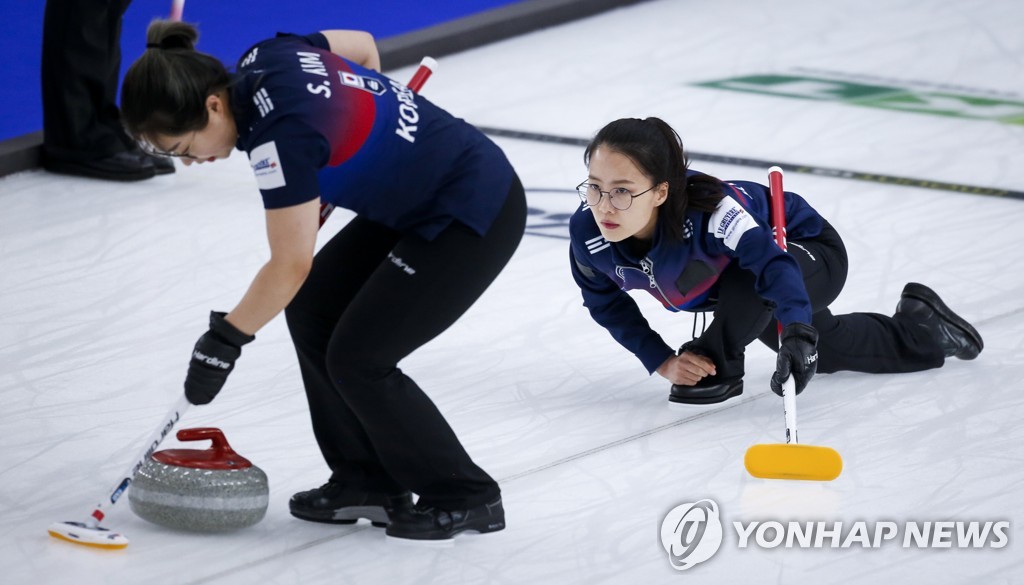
[[212, 490]]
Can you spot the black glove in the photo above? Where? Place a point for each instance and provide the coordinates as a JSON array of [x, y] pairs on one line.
[[213, 358], [798, 354]]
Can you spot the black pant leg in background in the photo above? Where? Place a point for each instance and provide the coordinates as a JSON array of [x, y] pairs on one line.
[[81, 61], [390, 430], [859, 342]]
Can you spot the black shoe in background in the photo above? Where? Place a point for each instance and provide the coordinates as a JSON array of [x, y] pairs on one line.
[[434, 524], [123, 166], [956, 336], [335, 503]]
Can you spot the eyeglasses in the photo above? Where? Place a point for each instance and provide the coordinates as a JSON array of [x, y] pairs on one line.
[[149, 148], [620, 197]]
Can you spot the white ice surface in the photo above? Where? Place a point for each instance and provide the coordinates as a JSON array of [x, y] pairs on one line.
[[105, 287]]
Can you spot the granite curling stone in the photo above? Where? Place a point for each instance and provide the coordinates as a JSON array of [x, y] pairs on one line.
[[212, 490]]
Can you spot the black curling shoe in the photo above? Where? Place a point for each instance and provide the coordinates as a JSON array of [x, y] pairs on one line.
[[334, 503], [433, 524], [956, 336], [710, 394], [122, 166]]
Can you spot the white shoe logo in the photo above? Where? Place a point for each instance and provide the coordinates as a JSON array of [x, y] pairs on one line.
[[691, 534]]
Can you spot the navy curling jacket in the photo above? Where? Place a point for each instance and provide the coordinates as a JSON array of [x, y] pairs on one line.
[[683, 276], [315, 124]]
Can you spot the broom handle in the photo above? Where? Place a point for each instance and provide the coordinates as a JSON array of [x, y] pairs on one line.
[[779, 223], [166, 424], [177, 8]]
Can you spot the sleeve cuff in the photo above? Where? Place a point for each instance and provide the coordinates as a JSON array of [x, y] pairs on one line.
[[652, 357]]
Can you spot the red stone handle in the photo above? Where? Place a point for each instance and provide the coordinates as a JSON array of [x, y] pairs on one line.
[[220, 442]]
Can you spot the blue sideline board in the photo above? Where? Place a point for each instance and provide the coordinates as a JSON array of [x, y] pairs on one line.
[[227, 27]]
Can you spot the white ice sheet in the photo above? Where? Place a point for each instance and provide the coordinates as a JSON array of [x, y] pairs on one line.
[[105, 287]]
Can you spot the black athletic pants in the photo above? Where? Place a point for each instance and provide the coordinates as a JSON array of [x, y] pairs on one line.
[[859, 342], [375, 295], [80, 68]]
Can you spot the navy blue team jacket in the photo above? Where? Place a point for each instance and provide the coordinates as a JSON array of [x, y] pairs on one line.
[[317, 125], [683, 275]]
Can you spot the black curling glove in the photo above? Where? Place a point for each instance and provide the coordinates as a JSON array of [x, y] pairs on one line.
[[798, 355], [213, 358]]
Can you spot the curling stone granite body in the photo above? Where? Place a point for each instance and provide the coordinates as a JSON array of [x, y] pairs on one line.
[[212, 490]]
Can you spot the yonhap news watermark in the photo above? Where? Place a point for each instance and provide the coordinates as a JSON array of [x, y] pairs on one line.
[[838, 534], [692, 533]]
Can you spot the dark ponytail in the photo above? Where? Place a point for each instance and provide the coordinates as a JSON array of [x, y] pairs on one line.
[[656, 149], [165, 90]]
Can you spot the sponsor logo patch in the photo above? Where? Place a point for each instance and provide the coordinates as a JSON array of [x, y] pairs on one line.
[[266, 165], [730, 221]]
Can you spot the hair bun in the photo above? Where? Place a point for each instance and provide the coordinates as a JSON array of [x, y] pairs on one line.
[[169, 34]]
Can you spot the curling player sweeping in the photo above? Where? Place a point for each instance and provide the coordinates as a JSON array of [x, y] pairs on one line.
[[439, 212]]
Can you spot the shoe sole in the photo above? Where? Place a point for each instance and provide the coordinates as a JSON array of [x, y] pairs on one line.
[[929, 297], [350, 515], [436, 543], [703, 401], [76, 171], [443, 542]]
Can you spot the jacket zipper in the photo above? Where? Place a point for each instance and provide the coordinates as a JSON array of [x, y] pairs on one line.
[[647, 267]]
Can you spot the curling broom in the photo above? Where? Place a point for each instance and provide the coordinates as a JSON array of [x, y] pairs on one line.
[[789, 460]]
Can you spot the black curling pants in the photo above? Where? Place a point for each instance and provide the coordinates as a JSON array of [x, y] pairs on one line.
[[859, 342], [373, 297], [81, 62]]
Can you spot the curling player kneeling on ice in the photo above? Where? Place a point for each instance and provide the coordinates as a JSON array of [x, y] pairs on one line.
[[697, 243]]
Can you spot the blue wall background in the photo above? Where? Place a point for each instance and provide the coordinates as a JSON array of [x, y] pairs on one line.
[[227, 27]]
